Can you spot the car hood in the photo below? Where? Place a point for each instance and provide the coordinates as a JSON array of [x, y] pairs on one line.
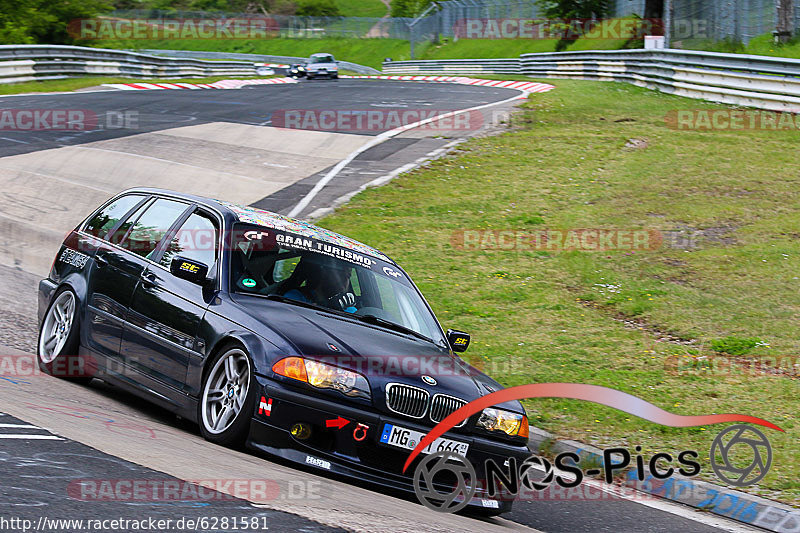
[[383, 355]]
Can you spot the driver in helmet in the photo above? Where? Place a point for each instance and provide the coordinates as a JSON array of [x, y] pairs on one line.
[[327, 284]]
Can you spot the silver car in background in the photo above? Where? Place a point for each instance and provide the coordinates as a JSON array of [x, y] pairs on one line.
[[322, 64]]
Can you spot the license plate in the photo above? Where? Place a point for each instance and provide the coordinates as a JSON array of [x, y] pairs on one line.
[[408, 438]]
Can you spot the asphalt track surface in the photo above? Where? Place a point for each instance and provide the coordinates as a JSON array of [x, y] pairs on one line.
[[35, 473], [255, 105]]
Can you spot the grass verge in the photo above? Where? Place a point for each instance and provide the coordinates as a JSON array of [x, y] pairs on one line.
[[371, 52], [368, 52], [600, 155]]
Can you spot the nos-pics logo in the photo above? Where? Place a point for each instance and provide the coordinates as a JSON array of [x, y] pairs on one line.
[[740, 455]]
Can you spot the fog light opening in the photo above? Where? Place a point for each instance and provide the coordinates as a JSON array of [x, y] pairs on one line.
[[301, 431]]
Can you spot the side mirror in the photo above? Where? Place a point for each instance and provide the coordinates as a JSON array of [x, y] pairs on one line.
[[458, 340], [189, 269]]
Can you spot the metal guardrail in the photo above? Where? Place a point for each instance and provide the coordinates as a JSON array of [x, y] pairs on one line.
[[41, 62], [746, 80], [256, 58], [453, 66]]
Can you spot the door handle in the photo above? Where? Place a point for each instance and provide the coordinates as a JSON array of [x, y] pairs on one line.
[[148, 279]]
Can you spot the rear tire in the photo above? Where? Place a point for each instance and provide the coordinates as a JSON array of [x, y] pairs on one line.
[[59, 340], [228, 397]]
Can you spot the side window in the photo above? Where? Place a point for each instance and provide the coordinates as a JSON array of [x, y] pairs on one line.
[[284, 268], [107, 218], [196, 239], [355, 283], [149, 229]]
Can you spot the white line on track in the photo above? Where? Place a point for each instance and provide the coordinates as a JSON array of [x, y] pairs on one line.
[[20, 426], [302, 204], [31, 437]]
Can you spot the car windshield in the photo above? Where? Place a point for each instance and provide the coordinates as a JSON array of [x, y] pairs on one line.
[[310, 272], [321, 59]]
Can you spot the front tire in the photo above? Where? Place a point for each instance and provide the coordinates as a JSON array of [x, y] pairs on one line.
[[59, 333], [228, 398]]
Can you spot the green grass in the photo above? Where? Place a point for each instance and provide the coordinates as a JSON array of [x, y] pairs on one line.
[[362, 8], [487, 48], [538, 316], [371, 52], [72, 84], [609, 35], [368, 52], [762, 45]]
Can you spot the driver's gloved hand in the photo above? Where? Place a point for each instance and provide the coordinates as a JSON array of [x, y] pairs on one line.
[[347, 299]]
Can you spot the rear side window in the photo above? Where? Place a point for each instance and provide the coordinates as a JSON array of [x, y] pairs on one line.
[[107, 218], [196, 239], [150, 228]]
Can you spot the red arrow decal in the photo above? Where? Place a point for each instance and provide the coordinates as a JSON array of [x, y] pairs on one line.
[[337, 423]]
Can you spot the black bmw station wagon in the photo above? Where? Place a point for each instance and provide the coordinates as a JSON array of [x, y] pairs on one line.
[[270, 332]]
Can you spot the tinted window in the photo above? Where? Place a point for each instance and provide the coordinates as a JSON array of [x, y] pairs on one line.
[[327, 276], [196, 239], [149, 229], [322, 59], [107, 218]]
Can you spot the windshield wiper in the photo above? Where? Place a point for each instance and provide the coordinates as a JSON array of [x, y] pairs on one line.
[[372, 319], [301, 303]]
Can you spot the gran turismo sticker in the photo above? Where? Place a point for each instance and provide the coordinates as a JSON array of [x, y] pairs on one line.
[[389, 272], [73, 258], [327, 249], [252, 235]]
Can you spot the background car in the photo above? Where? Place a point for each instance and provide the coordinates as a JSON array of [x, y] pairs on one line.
[[297, 70], [322, 64], [269, 331]]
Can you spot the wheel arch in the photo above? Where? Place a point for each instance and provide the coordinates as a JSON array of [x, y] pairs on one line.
[[255, 346]]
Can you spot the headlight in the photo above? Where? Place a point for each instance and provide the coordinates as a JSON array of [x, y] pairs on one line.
[[301, 68], [323, 376], [512, 424]]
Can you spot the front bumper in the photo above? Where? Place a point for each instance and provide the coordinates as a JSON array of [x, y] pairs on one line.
[[355, 451], [321, 73]]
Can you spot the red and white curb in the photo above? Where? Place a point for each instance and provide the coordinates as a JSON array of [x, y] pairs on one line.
[[222, 84], [526, 86], [273, 65]]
